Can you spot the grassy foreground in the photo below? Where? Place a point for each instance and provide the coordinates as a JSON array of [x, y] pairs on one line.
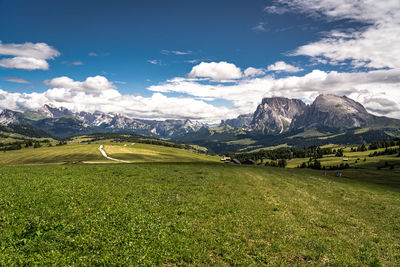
[[193, 214]]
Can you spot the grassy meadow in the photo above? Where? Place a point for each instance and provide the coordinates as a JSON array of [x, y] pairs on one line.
[[76, 152], [175, 206], [54, 154], [136, 152], [359, 159]]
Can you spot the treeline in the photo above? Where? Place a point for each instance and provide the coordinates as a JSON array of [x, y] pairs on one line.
[[387, 151], [24, 144], [316, 165], [384, 144], [376, 145], [313, 152], [25, 130]]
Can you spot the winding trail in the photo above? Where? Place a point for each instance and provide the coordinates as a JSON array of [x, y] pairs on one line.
[[110, 158]]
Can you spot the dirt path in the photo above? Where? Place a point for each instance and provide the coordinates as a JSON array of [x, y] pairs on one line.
[[110, 158]]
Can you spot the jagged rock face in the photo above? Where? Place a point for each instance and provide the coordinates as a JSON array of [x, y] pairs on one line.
[[333, 111], [50, 118], [275, 114], [242, 121], [171, 128], [167, 128], [51, 111], [11, 117], [110, 121]]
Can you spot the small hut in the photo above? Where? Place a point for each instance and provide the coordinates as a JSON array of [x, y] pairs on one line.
[[225, 158]]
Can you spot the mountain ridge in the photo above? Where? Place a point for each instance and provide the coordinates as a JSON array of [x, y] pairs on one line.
[[273, 116]]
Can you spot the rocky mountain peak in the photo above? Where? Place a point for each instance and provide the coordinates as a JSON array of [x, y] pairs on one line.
[[242, 121], [51, 111], [333, 111], [275, 114], [9, 117], [340, 104]]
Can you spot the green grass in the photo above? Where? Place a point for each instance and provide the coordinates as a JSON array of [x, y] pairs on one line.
[[55, 154], [179, 207], [75, 152], [370, 163], [312, 132], [270, 148], [225, 129], [245, 141], [193, 214], [363, 130], [154, 153], [199, 148]]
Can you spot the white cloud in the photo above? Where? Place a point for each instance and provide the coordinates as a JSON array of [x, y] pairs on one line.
[[378, 90], [276, 10], [74, 63], [25, 63], [28, 56], [253, 72], [216, 71], [281, 66], [193, 61], [260, 27], [94, 54], [97, 85], [247, 93], [16, 80], [38, 50], [120, 82], [375, 46], [155, 62], [176, 52], [97, 93]]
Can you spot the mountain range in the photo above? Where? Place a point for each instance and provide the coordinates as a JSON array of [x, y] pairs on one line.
[[62, 122], [275, 116]]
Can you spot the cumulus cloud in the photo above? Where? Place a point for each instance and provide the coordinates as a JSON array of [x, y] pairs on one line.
[[25, 63], [97, 86], [378, 90], [281, 66], [247, 93], [28, 56], [15, 80], [216, 70], [252, 72], [97, 93], [374, 46]]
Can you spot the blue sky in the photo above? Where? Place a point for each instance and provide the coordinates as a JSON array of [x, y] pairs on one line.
[[143, 48]]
